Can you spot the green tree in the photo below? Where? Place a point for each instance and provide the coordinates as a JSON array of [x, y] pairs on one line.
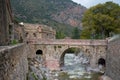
[[60, 35], [101, 20], [76, 33]]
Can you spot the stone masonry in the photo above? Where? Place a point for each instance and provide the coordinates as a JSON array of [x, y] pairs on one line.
[[13, 62], [6, 22], [54, 49], [113, 58], [38, 31]]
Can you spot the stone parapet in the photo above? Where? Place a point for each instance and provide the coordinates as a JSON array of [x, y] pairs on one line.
[[68, 42], [13, 62], [113, 58]]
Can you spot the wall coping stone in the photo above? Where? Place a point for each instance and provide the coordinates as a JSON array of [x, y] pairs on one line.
[[3, 48]]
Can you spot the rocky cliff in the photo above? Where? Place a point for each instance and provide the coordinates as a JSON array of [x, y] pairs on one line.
[[60, 14]]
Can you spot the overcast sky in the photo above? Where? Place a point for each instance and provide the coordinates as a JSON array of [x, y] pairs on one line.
[[89, 3]]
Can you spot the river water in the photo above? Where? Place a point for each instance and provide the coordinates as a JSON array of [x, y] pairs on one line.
[[76, 68], [73, 66]]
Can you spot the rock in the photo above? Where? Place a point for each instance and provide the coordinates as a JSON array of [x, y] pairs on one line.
[[88, 77], [105, 78], [30, 77], [39, 71]]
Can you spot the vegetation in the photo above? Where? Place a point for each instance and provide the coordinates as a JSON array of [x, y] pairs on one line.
[[13, 42], [65, 76], [59, 46], [101, 21], [44, 12], [73, 50], [34, 76], [60, 35], [76, 33]]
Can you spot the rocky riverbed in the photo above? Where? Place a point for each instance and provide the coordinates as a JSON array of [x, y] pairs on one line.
[[37, 71], [72, 70]]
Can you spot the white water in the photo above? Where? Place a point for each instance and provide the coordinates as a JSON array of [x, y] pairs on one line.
[[75, 66]]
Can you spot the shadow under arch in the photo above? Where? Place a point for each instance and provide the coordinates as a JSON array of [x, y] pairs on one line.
[[39, 55], [39, 52], [101, 61], [72, 50]]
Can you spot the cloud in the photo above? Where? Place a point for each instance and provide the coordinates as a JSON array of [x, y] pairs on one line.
[[89, 3]]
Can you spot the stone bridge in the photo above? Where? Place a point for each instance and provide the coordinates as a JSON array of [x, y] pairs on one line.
[[53, 51]]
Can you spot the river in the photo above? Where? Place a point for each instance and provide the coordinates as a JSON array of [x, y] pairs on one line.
[[76, 68]]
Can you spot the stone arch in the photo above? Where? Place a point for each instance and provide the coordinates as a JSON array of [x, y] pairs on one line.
[[39, 55], [101, 61], [68, 50], [39, 52], [40, 49]]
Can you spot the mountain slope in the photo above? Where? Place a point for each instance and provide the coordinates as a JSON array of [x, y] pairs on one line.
[[59, 14]]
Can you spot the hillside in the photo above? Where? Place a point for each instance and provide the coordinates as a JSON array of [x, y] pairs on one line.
[[62, 15]]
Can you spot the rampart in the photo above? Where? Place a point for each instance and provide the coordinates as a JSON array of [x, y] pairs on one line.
[[13, 62], [113, 58]]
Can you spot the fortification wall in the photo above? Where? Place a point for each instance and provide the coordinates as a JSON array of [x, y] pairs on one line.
[[113, 58], [13, 62]]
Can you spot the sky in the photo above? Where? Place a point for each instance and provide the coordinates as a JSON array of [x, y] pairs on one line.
[[90, 3]]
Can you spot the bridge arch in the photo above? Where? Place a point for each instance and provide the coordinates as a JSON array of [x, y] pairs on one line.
[[72, 50], [54, 51], [101, 61], [39, 52], [39, 55]]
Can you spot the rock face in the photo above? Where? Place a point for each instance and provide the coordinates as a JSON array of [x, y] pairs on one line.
[[71, 15], [113, 58], [37, 70], [61, 15], [13, 62], [62, 11]]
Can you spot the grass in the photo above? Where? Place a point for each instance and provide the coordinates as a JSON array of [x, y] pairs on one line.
[[13, 42], [65, 76], [94, 76], [34, 76]]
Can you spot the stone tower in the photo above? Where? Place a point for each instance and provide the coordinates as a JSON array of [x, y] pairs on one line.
[[6, 25]]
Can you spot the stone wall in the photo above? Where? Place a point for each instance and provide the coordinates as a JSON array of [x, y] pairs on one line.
[[5, 21], [54, 53], [13, 62], [113, 58], [31, 51], [38, 31]]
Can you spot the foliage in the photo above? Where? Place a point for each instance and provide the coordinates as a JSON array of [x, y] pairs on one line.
[[73, 50], [76, 33], [13, 42], [34, 76], [41, 11], [59, 46], [44, 78], [63, 76], [60, 35], [101, 20], [94, 76]]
